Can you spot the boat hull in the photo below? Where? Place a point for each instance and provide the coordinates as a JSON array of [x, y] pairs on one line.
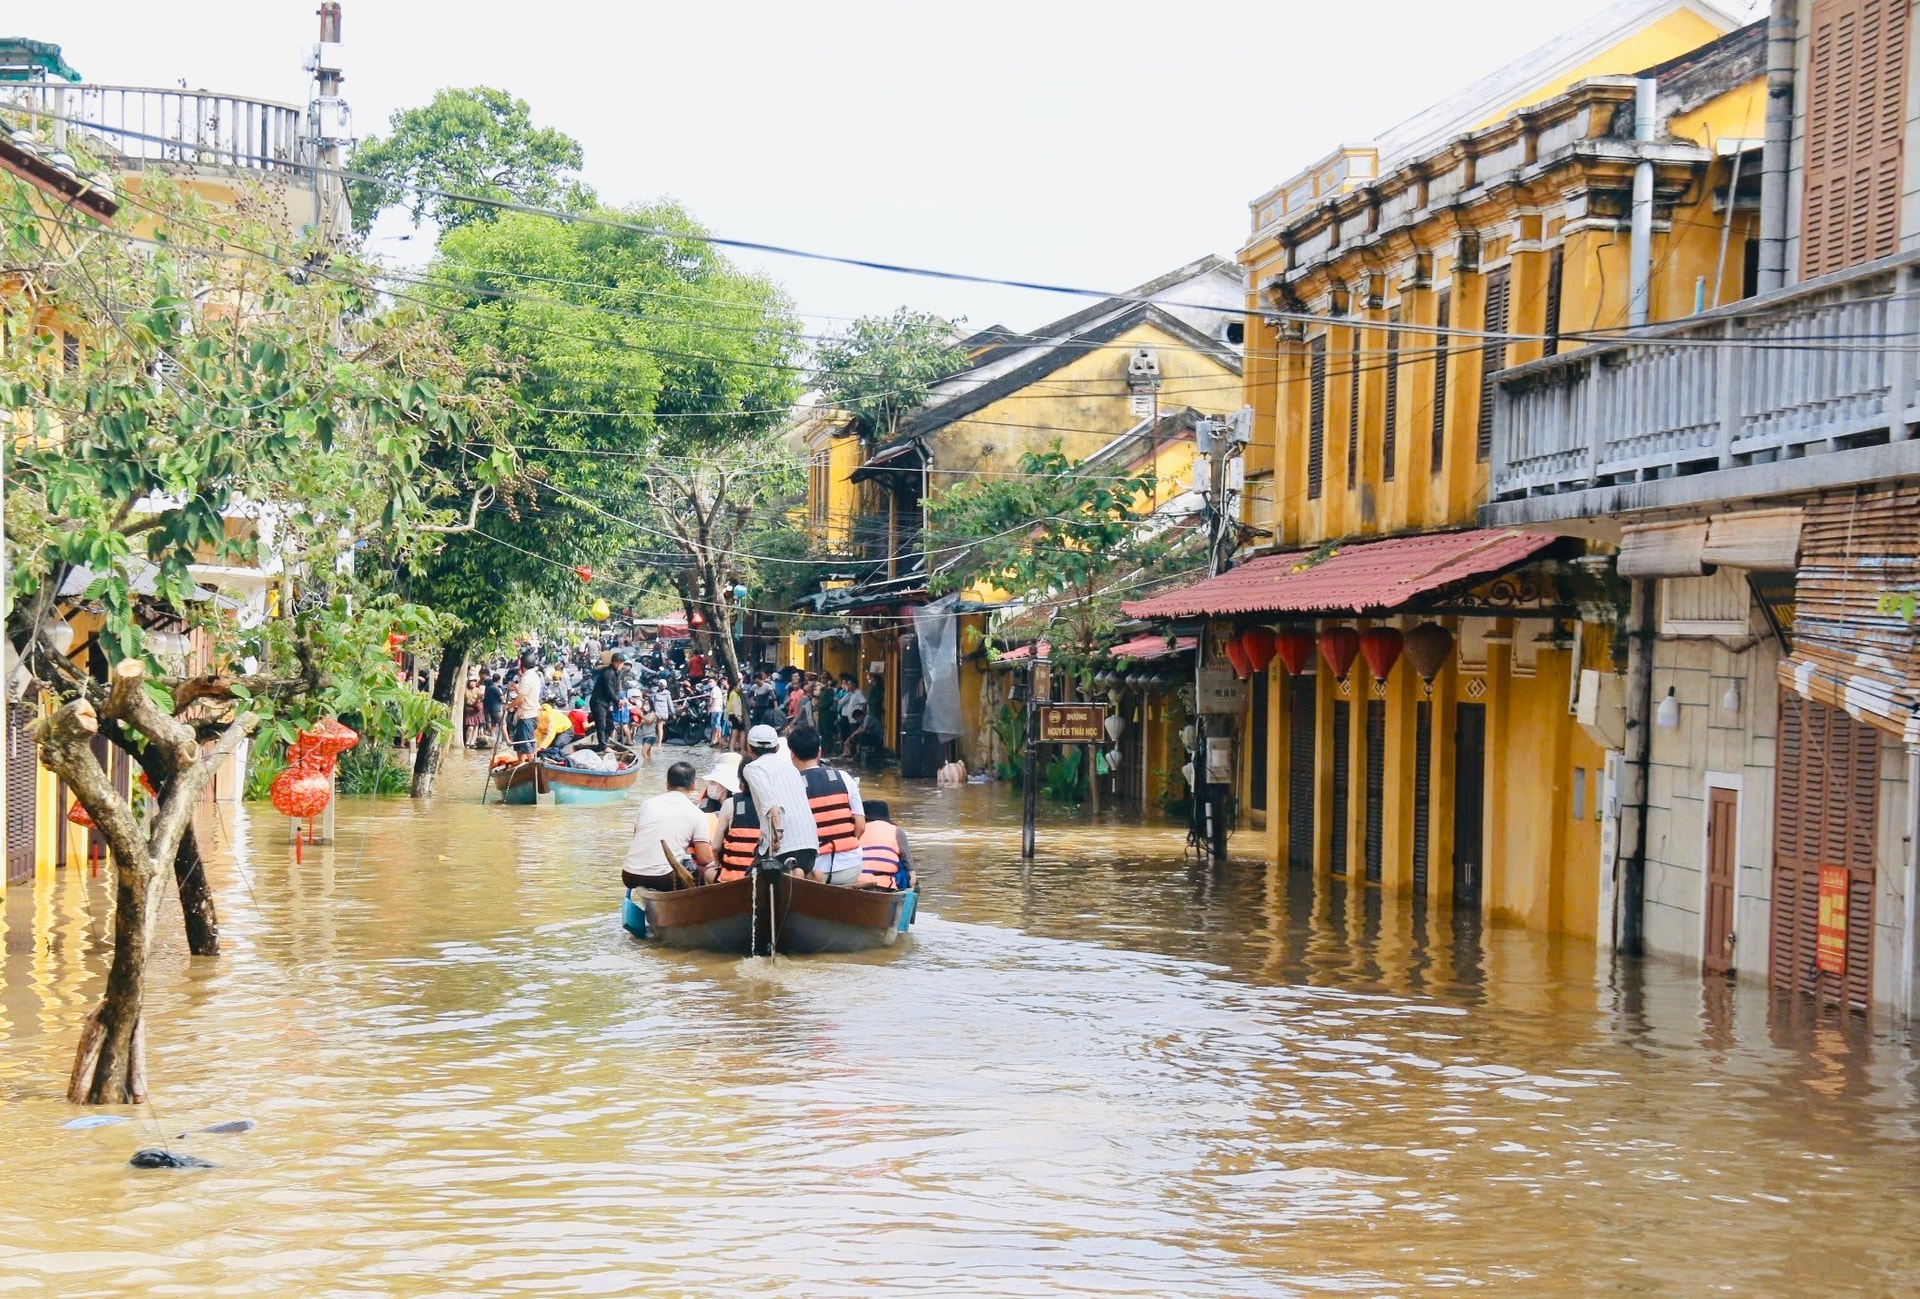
[[793, 916], [572, 785], [522, 785]]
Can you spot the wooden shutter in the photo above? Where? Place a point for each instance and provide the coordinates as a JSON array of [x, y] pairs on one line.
[[1302, 728], [1390, 414], [1342, 774], [1442, 349], [1556, 277], [1257, 745], [1856, 121], [1422, 792], [1826, 809], [1493, 357], [23, 762], [1317, 418], [1376, 785], [1353, 413]]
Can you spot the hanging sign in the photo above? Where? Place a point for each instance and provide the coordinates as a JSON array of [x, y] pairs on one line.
[[1830, 939], [1073, 723], [1219, 693]]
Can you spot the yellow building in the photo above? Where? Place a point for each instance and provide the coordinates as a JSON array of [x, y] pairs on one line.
[[1390, 285], [1101, 384]]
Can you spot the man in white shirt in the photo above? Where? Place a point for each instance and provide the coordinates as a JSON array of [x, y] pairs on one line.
[[779, 794], [526, 703], [671, 821]]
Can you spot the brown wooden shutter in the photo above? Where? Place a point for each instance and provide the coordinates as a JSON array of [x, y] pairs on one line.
[[1303, 700], [23, 763], [1856, 123], [1317, 418], [1493, 357], [1556, 279], [1376, 785], [1390, 415], [1442, 349], [1257, 744], [1422, 792], [1342, 775], [1353, 412]]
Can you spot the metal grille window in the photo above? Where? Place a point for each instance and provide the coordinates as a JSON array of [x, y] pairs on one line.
[[1353, 411], [1257, 745], [1493, 358], [1856, 124], [1376, 785], [1556, 278], [1317, 418], [1342, 774], [1302, 727], [1422, 791], [1390, 412], [1443, 319]]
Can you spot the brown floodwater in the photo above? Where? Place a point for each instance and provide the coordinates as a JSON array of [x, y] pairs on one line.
[[1120, 1072]]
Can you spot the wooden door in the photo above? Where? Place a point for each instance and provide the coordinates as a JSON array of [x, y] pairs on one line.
[[1303, 704], [1376, 777], [1723, 843], [1826, 813], [1257, 745], [1422, 792], [1469, 802], [23, 763], [1342, 778]]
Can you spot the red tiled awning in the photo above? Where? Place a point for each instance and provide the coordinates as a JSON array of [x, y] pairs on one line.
[[1142, 648], [1366, 577], [1021, 653]]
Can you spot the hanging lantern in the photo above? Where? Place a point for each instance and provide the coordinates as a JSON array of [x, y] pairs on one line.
[[1427, 648], [1380, 646], [600, 610], [1113, 760], [698, 620], [1237, 655], [79, 815], [1114, 726], [582, 572], [300, 791], [1338, 645], [1188, 735], [1260, 644], [1295, 647]]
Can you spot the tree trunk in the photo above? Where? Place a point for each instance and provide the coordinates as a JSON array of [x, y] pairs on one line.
[[196, 898], [110, 1066], [448, 688]]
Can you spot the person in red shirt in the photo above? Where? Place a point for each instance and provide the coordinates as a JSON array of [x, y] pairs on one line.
[[578, 716], [696, 666]]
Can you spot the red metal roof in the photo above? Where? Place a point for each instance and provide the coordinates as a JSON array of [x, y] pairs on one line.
[[1142, 648], [1366, 576]]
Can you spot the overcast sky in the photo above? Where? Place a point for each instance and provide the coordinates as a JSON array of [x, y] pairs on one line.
[[1094, 143]]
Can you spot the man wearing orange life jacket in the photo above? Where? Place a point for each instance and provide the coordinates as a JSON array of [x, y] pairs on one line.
[[883, 846], [838, 816], [771, 816]]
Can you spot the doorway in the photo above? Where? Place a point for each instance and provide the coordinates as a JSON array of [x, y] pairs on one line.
[[1469, 802], [1723, 844]]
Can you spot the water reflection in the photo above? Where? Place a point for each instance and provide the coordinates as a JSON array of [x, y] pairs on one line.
[[1118, 1070]]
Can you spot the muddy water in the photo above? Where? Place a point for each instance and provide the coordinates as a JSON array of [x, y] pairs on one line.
[[1122, 1074]]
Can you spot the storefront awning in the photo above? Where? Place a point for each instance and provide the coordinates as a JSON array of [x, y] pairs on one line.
[[1144, 648], [1369, 577]]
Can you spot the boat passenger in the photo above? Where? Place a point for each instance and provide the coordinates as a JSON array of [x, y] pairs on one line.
[[838, 817], [552, 732], [883, 846], [777, 792], [669, 822]]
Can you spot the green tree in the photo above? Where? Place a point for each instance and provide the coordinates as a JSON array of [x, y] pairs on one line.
[[155, 387], [881, 368], [476, 140]]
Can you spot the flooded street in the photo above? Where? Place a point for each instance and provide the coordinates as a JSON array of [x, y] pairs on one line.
[[1126, 1074]]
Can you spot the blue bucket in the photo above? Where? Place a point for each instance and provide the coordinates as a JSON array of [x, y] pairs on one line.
[[633, 917]]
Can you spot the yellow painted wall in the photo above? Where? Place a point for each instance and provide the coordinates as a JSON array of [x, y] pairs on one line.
[[1667, 38]]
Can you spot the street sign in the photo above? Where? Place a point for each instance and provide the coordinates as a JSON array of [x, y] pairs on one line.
[[1073, 723]]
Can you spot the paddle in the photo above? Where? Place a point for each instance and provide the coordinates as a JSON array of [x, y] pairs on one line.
[[680, 872], [487, 780]]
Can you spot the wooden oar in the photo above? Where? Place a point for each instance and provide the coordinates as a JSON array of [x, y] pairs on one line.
[[680, 872], [488, 779]]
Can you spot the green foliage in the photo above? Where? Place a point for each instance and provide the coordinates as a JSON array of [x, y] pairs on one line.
[[881, 368], [1064, 543], [1064, 780], [265, 762], [1010, 725], [476, 140], [368, 770]]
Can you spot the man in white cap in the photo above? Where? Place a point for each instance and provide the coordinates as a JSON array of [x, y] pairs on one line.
[[669, 823], [779, 795]]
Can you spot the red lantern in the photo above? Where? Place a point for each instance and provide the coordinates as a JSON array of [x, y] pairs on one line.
[[1427, 648], [1295, 647], [300, 791], [79, 815], [1380, 646], [584, 573], [1338, 645], [698, 620], [1237, 655], [1259, 644]]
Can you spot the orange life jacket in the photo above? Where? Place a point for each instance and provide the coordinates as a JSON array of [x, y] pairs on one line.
[[832, 805], [741, 844], [880, 856]]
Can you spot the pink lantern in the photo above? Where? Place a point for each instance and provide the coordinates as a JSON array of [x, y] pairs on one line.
[[1380, 646], [79, 815], [302, 790], [1339, 645]]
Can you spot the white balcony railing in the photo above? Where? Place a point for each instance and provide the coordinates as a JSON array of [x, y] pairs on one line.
[[1821, 366], [180, 127]]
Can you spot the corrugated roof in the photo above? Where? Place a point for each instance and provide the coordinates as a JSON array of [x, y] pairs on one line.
[[1361, 578], [1142, 648]]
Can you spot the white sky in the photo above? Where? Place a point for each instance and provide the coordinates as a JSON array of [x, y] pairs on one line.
[[1094, 143]]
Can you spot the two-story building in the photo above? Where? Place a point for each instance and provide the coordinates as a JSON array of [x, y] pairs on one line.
[[1755, 464], [1410, 724]]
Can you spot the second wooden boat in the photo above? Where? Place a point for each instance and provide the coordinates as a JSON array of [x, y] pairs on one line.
[[771, 910]]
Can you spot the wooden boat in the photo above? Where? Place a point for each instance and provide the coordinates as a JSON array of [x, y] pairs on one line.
[[521, 784], [794, 916], [544, 782]]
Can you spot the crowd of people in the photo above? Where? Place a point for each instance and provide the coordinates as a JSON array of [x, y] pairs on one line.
[[777, 802]]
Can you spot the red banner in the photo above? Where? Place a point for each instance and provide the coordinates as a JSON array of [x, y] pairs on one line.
[[1830, 940]]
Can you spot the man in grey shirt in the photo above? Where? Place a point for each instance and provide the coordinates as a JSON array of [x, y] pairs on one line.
[[779, 795]]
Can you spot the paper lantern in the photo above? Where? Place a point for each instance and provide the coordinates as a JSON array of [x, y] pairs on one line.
[[600, 611], [1114, 726], [300, 791], [1339, 645], [1237, 655], [1295, 647], [1380, 646], [698, 620], [321, 745], [79, 815], [584, 573], [1260, 645], [1427, 648]]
